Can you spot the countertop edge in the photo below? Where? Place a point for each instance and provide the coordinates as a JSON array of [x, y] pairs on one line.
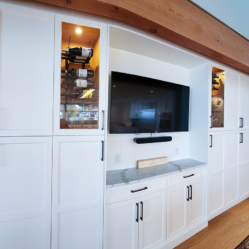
[[153, 177]]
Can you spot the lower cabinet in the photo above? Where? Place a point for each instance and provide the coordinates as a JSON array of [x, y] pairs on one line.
[[162, 219], [228, 170], [77, 197], [25, 192], [137, 223], [186, 206]]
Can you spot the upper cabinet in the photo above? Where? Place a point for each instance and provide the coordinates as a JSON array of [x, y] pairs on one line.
[[26, 71], [80, 76], [217, 98], [232, 100], [229, 100], [244, 102]]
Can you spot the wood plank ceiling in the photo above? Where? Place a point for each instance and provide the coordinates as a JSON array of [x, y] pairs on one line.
[[178, 21]]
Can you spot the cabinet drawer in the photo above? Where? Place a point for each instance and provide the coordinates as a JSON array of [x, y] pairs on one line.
[[186, 176], [116, 194]]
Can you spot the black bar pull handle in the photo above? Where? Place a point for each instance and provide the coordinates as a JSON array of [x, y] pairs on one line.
[[212, 121], [142, 210], [102, 142], [103, 120], [211, 145], [137, 190], [241, 138], [188, 193], [188, 176], [137, 212], [242, 123]]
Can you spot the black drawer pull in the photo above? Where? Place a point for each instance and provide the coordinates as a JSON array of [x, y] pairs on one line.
[[211, 145], [142, 211], [241, 138], [188, 193], [141, 189], [137, 212], [189, 176]]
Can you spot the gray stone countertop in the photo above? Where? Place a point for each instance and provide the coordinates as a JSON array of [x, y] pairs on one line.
[[118, 178]]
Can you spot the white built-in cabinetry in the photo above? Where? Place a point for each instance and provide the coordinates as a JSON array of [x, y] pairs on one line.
[[98, 63], [33, 160], [26, 72], [77, 217], [52, 179], [156, 213], [25, 192], [228, 158], [186, 202], [137, 223], [244, 101], [26, 97]]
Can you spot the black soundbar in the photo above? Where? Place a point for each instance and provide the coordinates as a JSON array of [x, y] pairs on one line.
[[147, 140]]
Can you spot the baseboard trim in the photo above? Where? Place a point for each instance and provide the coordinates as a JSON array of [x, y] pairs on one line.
[[184, 236]]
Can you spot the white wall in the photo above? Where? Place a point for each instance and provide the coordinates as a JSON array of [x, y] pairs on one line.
[[127, 62]]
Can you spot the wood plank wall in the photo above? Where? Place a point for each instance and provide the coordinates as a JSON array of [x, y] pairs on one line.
[[179, 21]]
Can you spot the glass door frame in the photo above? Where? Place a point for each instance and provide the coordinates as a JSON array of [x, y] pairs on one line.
[[103, 79]]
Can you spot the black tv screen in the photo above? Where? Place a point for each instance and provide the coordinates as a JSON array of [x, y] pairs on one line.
[[144, 105]]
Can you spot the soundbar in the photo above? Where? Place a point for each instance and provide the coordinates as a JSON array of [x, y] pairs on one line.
[[148, 140]]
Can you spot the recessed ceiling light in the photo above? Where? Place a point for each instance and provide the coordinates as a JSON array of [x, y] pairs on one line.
[[151, 91], [114, 86], [78, 30]]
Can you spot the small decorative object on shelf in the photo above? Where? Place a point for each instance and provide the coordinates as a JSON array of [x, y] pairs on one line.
[[141, 164], [217, 105]]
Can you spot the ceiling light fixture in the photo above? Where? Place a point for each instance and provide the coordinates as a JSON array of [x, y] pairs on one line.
[[78, 30]]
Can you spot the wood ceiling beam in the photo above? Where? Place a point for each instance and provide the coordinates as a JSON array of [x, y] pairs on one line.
[[178, 21]]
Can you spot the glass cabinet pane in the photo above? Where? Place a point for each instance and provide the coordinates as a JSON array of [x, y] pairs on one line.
[[79, 101], [217, 108]]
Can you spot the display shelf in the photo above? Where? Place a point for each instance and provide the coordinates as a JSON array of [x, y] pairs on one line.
[[79, 76]]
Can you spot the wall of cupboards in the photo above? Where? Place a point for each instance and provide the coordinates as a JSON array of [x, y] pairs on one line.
[[229, 142], [52, 177], [47, 172]]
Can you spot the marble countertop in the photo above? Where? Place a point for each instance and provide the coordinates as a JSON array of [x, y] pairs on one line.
[[117, 178]]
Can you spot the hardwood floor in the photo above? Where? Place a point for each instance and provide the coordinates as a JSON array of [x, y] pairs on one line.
[[225, 231]]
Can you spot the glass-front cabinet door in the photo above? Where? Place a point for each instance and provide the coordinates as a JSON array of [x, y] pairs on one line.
[[80, 76], [217, 98]]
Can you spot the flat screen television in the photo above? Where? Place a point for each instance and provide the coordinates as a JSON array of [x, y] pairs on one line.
[[144, 105]]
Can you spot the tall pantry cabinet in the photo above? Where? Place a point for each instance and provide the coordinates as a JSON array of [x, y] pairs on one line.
[[229, 140], [51, 171], [26, 98]]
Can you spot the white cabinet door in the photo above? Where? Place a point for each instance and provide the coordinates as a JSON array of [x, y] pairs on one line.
[[216, 183], [26, 71], [121, 226], [216, 152], [77, 205], [71, 115], [25, 192], [244, 164], [176, 210], [232, 167], [197, 203], [232, 100], [244, 100], [152, 223]]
